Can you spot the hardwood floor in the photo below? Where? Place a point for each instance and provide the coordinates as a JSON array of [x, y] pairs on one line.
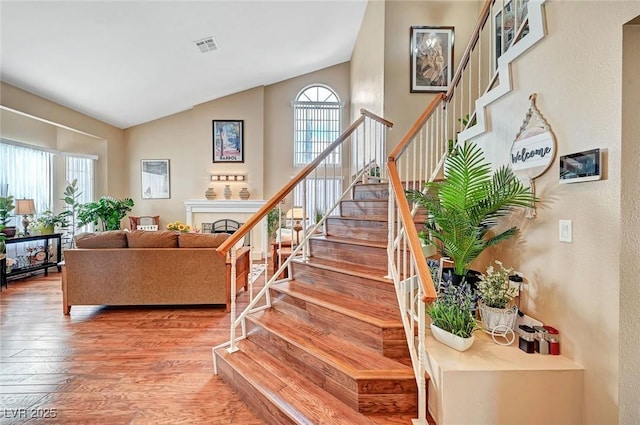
[[111, 366]]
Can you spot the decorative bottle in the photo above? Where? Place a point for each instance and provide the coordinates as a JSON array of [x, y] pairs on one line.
[[244, 194], [227, 191]]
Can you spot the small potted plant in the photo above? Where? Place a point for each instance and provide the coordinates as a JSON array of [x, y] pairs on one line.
[[48, 221], [6, 207], [452, 317], [496, 296]]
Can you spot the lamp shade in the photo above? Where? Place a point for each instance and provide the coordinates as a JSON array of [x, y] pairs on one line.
[[296, 213], [25, 207]]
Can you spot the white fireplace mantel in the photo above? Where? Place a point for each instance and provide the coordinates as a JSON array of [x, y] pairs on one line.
[[235, 209], [221, 206]]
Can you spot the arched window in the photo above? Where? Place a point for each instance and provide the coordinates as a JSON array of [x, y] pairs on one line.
[[317, 115]]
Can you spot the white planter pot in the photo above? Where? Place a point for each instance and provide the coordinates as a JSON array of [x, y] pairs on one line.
[[451, 340], [497, 319]]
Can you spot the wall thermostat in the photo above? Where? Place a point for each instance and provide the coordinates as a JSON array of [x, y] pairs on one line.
[[581, 167]]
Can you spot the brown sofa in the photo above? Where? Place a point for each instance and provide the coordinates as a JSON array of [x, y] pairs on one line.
[[149, 268]]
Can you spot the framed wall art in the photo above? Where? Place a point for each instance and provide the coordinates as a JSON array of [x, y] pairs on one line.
[[155, 179], [431, 58], [228, 141]]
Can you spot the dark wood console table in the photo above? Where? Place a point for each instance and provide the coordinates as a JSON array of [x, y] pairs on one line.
[[45, 263]]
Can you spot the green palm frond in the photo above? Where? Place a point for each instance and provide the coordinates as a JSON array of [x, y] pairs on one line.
[[468, 202]]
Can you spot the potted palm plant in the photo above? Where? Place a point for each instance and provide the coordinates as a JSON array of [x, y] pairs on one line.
[[468, 203]]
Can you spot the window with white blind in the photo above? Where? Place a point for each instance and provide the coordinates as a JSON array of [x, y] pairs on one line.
[[82, 169], [317, 113], [26, 173]]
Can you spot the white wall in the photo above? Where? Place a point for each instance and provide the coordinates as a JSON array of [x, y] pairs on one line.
[[367, 62]]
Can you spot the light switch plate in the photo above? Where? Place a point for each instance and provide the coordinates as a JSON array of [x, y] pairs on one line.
[[565, 230]]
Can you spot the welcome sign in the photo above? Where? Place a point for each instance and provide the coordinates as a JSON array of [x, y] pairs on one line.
[[533, 152]]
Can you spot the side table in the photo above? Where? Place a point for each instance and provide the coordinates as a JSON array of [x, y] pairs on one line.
[[46, 260], [280, 250]]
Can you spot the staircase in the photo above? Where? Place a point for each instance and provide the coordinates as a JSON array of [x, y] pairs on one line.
[[332, 348]]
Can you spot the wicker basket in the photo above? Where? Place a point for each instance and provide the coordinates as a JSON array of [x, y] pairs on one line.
[[492, 318]]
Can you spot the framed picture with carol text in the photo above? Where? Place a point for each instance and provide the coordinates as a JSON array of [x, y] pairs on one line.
[[431, 59], [155, 179], [228, 141]]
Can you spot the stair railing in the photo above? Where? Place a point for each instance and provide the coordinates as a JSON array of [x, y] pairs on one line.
[[419, 158], [299, 210]]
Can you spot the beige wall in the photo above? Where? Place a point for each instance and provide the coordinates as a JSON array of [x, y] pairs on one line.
[[186, 140], [38, 121], [400, 106], [367, 62], [278, 121], [630, 229], [576, 286]]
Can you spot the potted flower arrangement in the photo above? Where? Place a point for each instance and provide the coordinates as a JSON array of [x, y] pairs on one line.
[[496, 295], [452, 317]]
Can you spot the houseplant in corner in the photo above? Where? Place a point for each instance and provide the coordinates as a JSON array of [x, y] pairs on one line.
[[467, 204], [6, 207], [452, 321], [106, 212]]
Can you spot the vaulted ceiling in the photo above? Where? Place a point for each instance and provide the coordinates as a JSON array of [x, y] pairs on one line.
[[129, 62]]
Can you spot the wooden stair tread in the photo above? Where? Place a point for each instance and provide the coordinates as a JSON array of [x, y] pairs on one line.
[[379, 315], [349, 358], [359, 270], [373, 218], [359, 242], [289, 390]]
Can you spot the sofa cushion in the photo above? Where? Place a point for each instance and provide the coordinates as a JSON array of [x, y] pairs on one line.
[[102, 240], [202, 240], [144, 239]]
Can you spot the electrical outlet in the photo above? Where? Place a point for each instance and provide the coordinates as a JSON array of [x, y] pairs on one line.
[[565, 231]]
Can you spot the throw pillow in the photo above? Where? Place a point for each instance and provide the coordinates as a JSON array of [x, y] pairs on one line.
[[101, 240], [202, 240], [144, 239]]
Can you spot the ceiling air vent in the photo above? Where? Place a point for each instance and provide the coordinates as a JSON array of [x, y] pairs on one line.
[[207, 45]]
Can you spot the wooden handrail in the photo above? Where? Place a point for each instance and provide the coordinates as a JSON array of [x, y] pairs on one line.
[[428, 288], [375, 117], [482, 20], [280, 195], [404, 143]]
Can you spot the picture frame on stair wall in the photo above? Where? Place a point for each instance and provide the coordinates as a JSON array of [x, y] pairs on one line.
[[431, 58]]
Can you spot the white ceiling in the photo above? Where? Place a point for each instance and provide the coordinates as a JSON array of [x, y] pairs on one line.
[[127, 63]]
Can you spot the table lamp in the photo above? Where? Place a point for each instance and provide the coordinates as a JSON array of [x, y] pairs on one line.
[[25, 208], [296, 214]]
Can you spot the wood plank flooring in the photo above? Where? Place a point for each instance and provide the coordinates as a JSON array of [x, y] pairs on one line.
[[113, 366]]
